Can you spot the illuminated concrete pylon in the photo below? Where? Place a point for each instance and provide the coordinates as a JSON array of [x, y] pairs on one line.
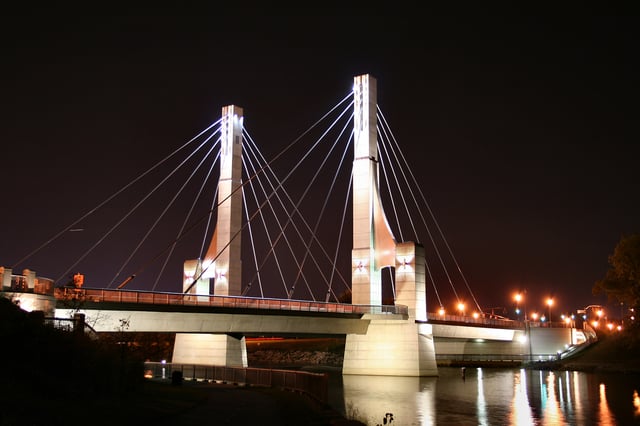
[[373, 242], [395, 344], [222, 262]]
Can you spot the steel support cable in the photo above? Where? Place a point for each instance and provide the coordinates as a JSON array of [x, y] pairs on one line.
[[160, 216], [393, 283], [294, 142], [438, 227], [395, 177], [264, 223], [403, 166], [205, 234], [339, 238], [135, 208], [308, 186], [271, 243], [253, 248], [300, 266], [433, 282], [111, 197], [308, 227], [326, 199], [391, 197], [436, 224], [188, 215]]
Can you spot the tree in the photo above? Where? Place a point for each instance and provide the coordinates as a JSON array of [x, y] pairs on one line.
[[622, 280]]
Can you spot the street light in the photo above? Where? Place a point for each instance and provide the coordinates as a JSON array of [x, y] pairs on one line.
[[461, 308], [518, 298], [549, 303]]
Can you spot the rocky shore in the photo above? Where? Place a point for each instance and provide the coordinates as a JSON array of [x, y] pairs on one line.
[[296, 358]]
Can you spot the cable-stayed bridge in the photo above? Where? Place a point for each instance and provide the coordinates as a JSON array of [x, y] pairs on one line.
[[331, 235]]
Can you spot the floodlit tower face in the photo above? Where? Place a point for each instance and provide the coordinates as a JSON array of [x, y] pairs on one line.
[[222, 261], [373, 242]]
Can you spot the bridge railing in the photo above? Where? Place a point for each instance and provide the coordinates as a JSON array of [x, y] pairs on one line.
[[315, 385], [461, 359], [474, 321], [237, 302]]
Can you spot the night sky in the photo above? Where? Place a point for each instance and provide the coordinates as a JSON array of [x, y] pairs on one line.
[[523, 130]]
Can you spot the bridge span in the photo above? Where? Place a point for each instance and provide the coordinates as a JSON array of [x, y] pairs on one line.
[[211, 319], [455, 338]]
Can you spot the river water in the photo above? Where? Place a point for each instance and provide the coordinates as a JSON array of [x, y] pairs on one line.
[[489, 396]]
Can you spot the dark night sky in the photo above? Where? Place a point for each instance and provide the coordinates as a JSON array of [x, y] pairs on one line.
[[524, 131]]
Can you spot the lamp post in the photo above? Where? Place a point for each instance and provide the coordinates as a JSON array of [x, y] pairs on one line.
[[549, 303], [461, 308]]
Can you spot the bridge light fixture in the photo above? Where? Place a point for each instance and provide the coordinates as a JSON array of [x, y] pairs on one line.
[[360, 269], [405, 264], [461, 308], [476, 315], [441, 311]]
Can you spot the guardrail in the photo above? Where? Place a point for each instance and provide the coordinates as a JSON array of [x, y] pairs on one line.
[[495, 358], [481, 320], [239, 302], [315, 385]]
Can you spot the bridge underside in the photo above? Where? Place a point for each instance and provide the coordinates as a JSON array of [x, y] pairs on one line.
[[107, 320]]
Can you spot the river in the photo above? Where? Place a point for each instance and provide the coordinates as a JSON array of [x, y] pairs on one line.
[[489, 396]]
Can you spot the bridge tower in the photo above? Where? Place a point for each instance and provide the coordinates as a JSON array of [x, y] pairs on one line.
[[222, 262], [392, 346]]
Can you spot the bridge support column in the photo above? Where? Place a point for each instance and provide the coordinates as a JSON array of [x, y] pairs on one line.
[[391, 347], [397, 345], [210, 349]]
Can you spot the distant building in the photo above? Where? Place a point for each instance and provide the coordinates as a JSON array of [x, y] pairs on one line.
[[30, 292]]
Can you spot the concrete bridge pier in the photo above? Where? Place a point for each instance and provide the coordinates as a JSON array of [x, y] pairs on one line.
[[397, 344], [210, 349]]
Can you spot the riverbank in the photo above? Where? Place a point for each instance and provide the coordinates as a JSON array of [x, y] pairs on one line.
[[610, 354]]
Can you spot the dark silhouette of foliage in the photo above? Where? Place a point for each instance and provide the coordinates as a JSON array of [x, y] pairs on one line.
[[622, 281], [58, 360]]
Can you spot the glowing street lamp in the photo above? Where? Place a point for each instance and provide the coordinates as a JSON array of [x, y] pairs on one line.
[[549, 303], [518, 298], [441, 311], [461, 308], [534, 316]]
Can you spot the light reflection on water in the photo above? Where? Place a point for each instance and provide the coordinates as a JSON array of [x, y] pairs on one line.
[[491, 397]]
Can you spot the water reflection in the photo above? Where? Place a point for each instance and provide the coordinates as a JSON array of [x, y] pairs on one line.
[[493, 396], [520, 410], [411, 400]]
